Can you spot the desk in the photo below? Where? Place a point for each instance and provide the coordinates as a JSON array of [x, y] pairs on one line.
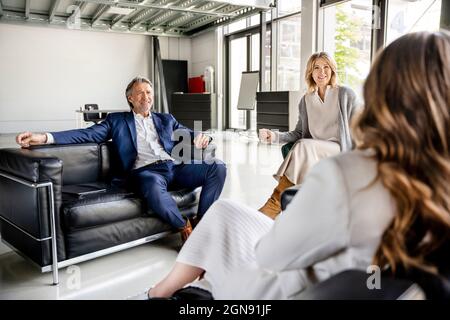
[[80, 119]]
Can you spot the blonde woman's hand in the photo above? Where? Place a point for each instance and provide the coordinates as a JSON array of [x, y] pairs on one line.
[[266, 136]]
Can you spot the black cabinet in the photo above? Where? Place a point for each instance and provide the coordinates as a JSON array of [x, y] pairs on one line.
[[175, 78], [277, 110], [190, 107]]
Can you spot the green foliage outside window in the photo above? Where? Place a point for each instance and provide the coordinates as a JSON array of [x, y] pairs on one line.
[[348, 33]]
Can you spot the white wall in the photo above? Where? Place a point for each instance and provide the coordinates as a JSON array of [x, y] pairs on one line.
[[207, 51], [46, 73], [176, 49], [204, 52]]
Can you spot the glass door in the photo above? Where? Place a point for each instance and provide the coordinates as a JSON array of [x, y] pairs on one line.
[[237, 64], [243, 55]]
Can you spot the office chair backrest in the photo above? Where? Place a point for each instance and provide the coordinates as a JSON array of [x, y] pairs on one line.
[[94, 117]]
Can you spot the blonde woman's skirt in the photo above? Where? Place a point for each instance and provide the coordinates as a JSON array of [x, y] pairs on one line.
[[305, 153]]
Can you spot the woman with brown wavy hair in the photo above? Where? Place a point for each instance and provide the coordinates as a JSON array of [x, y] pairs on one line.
[[406, 123], [389, 199]]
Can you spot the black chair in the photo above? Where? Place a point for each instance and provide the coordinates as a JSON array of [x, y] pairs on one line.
[[93, 117], [352, 284], [286, 148]]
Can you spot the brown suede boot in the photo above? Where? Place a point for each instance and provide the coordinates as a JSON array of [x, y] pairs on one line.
[[272, 207], [194, 221], [186, 231]]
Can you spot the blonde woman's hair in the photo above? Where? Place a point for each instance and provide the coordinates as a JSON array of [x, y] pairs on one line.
[[406, 121], [310, 83]]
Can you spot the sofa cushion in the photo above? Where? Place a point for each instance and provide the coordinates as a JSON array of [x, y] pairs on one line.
[[111, 205], [88, 240]]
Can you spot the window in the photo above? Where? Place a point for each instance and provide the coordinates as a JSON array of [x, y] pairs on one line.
[[238, 64], [267, 60], [347, 34], [286, 7], [407, 16], [288, 60]]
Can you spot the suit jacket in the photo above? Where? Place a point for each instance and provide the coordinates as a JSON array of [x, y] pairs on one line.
[[121, 128]]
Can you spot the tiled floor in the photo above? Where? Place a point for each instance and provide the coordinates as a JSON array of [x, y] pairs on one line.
[[119, 275]]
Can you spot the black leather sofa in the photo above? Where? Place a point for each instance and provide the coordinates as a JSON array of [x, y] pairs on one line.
[[59, 205]]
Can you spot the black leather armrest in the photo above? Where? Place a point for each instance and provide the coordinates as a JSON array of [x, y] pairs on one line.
[[352, 285], [27, 207], [288, 195], [30, 165]]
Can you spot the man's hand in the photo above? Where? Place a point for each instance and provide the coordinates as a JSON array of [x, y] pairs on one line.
[[201, 141], [26, 139]]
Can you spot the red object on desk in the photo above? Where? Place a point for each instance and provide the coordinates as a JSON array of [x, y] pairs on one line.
[[196, 85]]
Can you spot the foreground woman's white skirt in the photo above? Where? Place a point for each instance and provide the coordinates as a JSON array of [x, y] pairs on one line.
[[223, 245]]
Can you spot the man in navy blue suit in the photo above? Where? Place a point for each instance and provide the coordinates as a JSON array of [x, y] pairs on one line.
[[144, 144]]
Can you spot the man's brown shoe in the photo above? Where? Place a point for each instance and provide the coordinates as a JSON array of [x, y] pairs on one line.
[[186, 231]]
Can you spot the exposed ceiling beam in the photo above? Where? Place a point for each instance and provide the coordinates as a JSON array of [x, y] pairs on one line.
[[168, 15], [61, 23], [178, 23], [81, 5], [206, 21], [189, 16], [181, 20], [53, 8], [175, 17], [120, 18], [156, 13], [27, 9], [100, 11], [259, 4], [143, 19], [154, 6], [160, 21], [179, 3]]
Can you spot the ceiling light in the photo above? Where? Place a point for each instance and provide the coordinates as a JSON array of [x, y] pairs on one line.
[[119, 10]]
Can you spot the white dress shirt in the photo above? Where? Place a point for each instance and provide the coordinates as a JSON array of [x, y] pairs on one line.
[[149, 149]]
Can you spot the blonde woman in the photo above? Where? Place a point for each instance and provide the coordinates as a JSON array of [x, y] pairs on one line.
[[388, 202], [322, 130]]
